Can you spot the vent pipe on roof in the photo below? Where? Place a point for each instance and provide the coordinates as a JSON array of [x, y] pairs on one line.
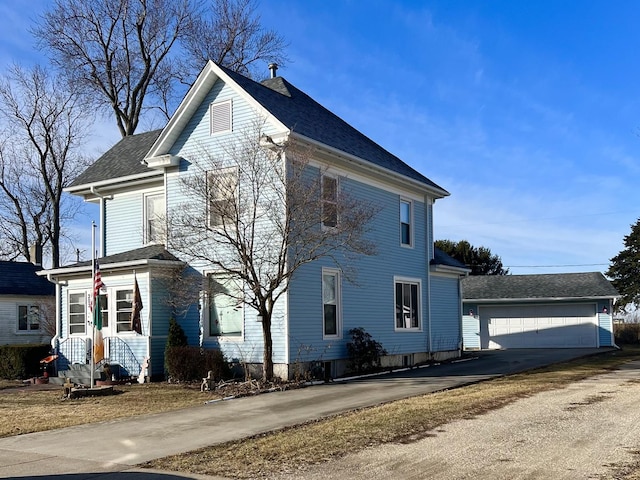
[[273, 68]]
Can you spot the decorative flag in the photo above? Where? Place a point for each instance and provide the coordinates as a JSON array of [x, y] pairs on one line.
[[136, 322], [98, 341]]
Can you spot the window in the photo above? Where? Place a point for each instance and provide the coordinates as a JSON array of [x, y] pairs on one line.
[[124, 305], [28, 318], [77, 312], [220, 117], [226, 314], [222, 189], [331, 302], [329, 201], [405, 222], [154, 214], [407, 304]]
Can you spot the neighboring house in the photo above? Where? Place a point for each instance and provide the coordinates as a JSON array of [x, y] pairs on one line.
[[27, 304], [406, 296], [569, 310]]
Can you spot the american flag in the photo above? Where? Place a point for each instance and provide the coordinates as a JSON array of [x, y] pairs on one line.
[[97, 281]]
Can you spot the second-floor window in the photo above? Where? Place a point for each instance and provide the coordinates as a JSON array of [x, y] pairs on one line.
[[154, 214], [329, 201], [405, 223], [222, 191]]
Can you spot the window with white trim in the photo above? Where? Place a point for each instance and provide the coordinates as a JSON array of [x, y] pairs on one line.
[[407, 304], [329, 201], [220, 117], [77, 314], [222, 193], [154, 215], [28, 318], [331, 305], [225, 307], [124, 306], [406, 232]]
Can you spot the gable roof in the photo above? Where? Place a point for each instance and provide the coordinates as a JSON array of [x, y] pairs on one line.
[[124, 159], [286, 105], [546, 286], [304, 116], [19, 278]]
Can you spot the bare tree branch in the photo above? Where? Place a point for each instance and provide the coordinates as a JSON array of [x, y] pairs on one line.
[[255, 215]]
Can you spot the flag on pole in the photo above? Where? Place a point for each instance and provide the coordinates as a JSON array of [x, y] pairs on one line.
[[98, 341], [136, 322]]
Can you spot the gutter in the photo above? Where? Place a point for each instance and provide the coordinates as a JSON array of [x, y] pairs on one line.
[[59, 286], [102, 198]]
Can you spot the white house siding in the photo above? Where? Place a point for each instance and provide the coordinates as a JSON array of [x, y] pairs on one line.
[[9, 333], [190, 145], [446, 334], [369, 302]]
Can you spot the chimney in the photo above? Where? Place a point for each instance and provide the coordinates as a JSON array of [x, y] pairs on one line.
[[35, 253], [273, 68]]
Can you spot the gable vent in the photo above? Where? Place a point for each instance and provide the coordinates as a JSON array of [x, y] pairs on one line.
[[220, 117]]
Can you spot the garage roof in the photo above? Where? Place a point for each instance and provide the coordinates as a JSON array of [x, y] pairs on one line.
[[545, 286]]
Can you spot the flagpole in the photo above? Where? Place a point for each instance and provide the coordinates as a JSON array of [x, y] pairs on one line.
[[93, 283]]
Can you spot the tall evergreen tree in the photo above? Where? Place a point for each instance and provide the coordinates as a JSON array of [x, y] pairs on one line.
[[479, 259], [625, 269]]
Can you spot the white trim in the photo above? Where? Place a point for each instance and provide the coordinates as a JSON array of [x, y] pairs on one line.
[[418, 282], [338, 293], [85, 293]]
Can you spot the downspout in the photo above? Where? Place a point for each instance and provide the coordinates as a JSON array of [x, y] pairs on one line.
[[102, 198], [429, 225]]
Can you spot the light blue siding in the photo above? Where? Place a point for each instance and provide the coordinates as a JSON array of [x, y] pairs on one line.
[[445, 314], [368, 301], [470, 326]]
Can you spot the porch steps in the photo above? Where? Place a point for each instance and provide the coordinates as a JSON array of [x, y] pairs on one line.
[[77, 373]]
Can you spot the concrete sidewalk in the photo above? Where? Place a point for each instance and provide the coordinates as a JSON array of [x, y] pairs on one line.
[[117, 446]]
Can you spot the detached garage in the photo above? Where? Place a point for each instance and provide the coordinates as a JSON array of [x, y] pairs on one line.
[[569, 310]]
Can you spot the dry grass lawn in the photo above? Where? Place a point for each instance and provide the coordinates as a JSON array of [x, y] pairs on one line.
[[26, 410], [290, 450]]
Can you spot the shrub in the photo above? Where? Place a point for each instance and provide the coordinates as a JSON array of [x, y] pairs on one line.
[[175, 338], [364, 351], [626, 333], [21, 361], [186, 364]]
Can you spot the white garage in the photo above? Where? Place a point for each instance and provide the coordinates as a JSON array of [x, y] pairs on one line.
[[538, 326], [569, 310]]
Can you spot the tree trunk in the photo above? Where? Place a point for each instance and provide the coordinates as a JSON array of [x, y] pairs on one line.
[[267, 359]]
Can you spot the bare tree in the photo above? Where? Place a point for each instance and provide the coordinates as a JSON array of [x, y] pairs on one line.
[[258, 214], [127, 53], [43, 125], [230, 34]]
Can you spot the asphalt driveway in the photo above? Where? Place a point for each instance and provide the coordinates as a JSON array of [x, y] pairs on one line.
[[119, 445]]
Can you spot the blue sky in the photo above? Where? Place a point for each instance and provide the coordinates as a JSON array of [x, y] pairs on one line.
[[528, 113]]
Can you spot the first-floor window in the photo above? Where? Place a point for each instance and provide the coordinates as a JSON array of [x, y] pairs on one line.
[[77, 312], [331, 302], [407, 304], [28, 318], [124, 305], [226, 313]]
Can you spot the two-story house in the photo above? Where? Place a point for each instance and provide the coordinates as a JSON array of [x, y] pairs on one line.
[[407, 296]]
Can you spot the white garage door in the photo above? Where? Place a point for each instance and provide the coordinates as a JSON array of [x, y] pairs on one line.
[[542, 326]]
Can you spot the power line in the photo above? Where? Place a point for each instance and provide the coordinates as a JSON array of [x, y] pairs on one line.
[[557, 266]]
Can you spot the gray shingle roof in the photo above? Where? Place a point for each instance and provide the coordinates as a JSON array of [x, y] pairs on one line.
[[305, 116], [121, 160], [19, 278], [560, 285], [442, 258], [150, 252]]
